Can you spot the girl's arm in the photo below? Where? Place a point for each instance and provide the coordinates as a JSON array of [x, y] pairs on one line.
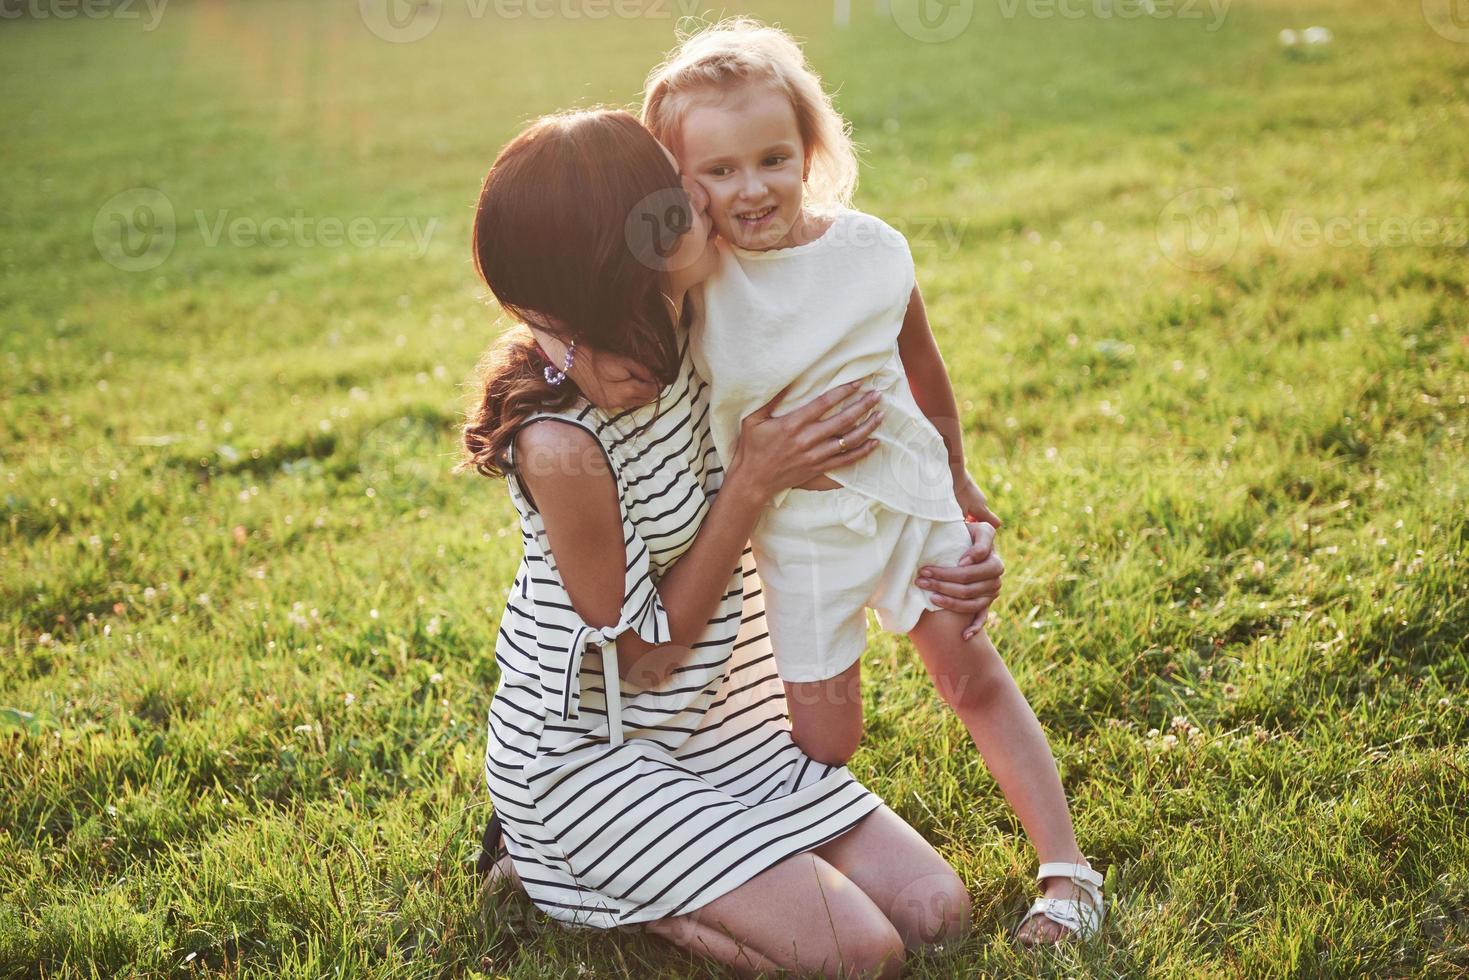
[[929, 381], [566, 472]]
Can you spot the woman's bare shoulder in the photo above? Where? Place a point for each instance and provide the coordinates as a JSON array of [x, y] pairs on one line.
[[560, 457]]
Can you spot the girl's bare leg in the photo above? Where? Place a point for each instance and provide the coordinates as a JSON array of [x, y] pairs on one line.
[[974, 681], [826, 716]]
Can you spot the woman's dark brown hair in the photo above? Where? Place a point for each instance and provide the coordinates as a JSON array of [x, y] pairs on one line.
[[571, 220]]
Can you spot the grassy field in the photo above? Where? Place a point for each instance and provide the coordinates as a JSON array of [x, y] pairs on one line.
[[1204, 302]]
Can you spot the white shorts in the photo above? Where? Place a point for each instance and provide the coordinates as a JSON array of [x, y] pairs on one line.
[[824, 556]]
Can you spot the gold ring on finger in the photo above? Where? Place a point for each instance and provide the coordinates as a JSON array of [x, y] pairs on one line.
[[841, 444]]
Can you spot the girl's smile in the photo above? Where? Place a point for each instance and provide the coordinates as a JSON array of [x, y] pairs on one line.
[[756, 221]]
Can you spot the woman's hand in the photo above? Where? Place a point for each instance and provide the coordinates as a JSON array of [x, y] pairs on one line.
[[971, 500], [774, 453], [972, 585]]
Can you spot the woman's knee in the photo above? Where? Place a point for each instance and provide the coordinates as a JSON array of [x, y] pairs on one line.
[[933, 909], [879, 954], [856, 937], [836, 930]]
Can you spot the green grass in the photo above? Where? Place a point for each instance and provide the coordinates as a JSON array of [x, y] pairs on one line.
[[250, 615]]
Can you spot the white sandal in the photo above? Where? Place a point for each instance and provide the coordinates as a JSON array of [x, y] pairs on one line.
[[1083, 920]]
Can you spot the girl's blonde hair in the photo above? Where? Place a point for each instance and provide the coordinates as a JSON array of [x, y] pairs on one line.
[[743, 50]]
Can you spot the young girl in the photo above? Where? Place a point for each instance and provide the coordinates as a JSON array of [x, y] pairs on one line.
[[809, 295]]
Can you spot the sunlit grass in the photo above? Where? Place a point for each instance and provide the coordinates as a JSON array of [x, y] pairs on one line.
[[251, 616]]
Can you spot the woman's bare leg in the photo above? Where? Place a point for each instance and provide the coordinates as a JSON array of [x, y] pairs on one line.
[[503, 869], [801, 915], [707, 941], [826, 716], [975, 682], [917, 890]]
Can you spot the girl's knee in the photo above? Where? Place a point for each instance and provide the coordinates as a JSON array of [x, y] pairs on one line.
[[970, 691], [974, 681], [832, 746]]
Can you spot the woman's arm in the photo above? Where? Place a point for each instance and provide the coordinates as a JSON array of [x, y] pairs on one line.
[[929, 381], [566, 472]]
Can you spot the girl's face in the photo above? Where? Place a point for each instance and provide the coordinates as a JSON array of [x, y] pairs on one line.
[[745, 150]]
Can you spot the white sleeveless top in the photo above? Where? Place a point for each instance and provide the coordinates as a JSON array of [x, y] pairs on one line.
[[816, 316]]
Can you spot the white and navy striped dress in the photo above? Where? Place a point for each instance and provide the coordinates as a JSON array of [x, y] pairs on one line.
[[697, 786]]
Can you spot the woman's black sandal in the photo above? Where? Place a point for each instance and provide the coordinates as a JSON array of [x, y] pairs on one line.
[[491, 846]]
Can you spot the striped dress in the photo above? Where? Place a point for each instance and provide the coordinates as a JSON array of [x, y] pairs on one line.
[[654, 801]]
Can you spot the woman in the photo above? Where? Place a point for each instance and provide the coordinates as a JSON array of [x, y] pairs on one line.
[[639, 756]]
